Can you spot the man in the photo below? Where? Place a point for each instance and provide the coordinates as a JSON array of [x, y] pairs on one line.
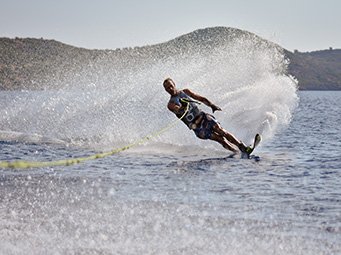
[[203, 124]]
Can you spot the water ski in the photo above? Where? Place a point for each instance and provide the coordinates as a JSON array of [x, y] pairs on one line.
[[250, 149]]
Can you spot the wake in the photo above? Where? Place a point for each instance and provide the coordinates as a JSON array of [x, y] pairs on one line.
[[239, 72]]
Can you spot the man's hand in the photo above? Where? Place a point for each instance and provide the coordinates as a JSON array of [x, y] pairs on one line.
[[215, 108]]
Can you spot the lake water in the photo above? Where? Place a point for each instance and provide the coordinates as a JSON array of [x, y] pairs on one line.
[[162, 198]]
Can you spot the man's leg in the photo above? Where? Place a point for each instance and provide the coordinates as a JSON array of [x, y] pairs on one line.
[[231, 138], [220, 139]]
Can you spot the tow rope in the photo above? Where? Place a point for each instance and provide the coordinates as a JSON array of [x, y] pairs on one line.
[[21, 164]]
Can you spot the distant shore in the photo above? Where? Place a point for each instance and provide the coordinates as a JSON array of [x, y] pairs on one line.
[[28, 63]]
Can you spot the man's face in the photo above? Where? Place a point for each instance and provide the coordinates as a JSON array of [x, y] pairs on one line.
[[170, 87]]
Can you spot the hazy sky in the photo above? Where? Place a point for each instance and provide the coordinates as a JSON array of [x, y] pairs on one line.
[[305, 25]]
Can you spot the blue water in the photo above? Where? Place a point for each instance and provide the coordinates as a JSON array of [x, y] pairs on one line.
[[161, 198]]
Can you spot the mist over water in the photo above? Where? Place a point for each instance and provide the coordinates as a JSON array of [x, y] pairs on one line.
[[123, 98], [164, 198], [180, 201]]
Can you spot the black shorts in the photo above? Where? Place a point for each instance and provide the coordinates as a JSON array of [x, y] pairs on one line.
[[205, 128]]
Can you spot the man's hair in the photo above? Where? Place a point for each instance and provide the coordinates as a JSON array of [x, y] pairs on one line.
[[167, 80]]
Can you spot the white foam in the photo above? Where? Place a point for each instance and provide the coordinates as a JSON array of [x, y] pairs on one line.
[[124, 98], [11, 136]]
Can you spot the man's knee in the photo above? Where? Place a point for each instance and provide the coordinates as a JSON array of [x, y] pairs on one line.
[[218, 129]]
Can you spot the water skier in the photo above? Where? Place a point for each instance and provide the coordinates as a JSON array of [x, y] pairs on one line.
[[204, 125]]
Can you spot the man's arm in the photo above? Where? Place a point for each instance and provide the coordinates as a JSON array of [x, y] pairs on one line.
[[202, 99], [173, 107]]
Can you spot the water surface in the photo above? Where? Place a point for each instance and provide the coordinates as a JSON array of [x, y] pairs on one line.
[[167, 199]]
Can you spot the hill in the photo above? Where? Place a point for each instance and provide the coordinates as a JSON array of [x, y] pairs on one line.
[[33, 63], [39, 64], [317, 70]]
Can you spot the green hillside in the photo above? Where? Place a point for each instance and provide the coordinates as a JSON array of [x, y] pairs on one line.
[[317, 70], [40, 64]]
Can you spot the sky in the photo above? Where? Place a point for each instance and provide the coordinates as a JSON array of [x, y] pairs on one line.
[[305, 25]]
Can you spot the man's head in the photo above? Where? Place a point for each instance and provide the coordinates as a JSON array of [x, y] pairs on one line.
[[169, 86]]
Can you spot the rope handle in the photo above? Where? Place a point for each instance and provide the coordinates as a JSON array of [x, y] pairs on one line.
[[187, 100]]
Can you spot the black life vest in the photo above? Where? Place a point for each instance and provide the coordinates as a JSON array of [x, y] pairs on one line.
[[193, 110]]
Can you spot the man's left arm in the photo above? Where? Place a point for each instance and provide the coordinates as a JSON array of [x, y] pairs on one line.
[[202, 99]]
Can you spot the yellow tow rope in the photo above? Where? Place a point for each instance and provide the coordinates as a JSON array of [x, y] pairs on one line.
[[67, 162]]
